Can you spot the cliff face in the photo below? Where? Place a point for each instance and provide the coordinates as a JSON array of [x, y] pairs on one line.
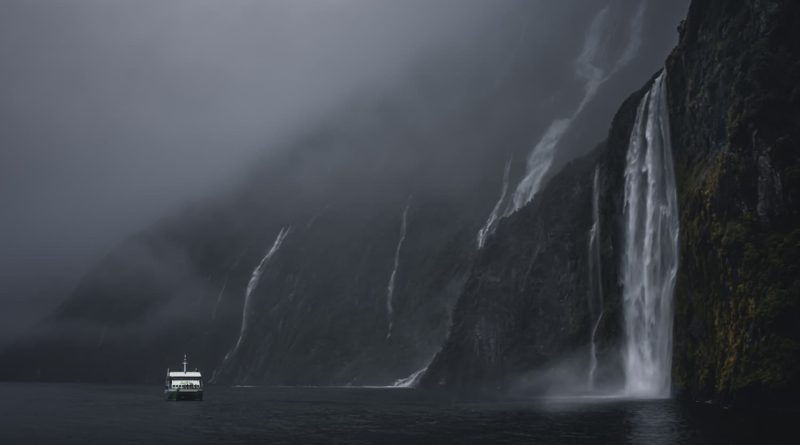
[[315, 315], [735, 109], [524, 320]]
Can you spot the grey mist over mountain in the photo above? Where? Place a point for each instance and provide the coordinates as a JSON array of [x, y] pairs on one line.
[[295, 189], [116, 114]]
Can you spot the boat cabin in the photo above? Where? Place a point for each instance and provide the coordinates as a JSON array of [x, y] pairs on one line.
[[184, 385]]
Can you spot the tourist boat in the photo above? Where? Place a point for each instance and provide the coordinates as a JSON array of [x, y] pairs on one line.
[[184, 385]]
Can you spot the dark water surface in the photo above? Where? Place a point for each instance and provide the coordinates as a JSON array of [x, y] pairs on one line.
[[98, 414]]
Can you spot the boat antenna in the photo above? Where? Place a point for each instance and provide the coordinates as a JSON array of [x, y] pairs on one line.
[[185, 362]]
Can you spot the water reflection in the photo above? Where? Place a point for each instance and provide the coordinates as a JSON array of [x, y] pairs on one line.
[[102, 415], [655, 422]]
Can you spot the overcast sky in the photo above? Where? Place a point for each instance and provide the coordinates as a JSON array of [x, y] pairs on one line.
[[115, 113]]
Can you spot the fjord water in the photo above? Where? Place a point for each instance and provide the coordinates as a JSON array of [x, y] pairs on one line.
[[98, 414]]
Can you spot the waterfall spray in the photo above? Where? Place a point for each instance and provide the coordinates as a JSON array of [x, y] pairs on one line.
[[541, 157], [650, 260], [539, 162], [593, 77]]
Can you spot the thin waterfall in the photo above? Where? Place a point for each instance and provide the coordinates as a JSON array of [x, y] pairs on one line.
[[489, 227], [410, 381], [255, 277], [541, 157], [539, 162], [650, 259], [595, 278], [593, 76], [390, 286]]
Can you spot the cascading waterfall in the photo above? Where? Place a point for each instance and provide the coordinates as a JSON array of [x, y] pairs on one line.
[[390, 286], [410, 381], [650, 260], [255, 277], [488, 228], [254, 280], [539, 162], [595, 278], [541, 157], [593, 77]]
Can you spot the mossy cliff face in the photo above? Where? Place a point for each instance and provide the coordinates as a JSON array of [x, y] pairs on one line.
[[734, 103], [734, 83]]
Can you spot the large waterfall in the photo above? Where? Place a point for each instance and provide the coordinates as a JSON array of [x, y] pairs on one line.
[[650, 258], [595, 278]]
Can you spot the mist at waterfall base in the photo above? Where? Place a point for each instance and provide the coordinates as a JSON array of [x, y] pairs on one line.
[[649, 267]]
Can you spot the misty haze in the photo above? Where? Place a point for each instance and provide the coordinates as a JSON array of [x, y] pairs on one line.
[[417, 221]]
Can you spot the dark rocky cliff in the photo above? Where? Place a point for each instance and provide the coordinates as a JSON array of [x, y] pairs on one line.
[[525, 308], [735, 109], [523, 321]]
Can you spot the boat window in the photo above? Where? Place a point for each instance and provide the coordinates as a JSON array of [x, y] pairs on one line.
[[185, 383]]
